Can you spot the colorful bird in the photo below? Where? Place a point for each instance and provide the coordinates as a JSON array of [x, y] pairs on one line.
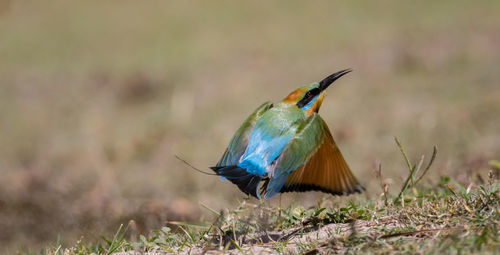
[[288, 147]]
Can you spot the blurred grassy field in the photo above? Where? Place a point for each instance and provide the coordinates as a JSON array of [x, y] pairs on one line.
[[97, 98]]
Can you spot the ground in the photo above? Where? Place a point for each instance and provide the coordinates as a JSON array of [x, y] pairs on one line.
[[447, 218]]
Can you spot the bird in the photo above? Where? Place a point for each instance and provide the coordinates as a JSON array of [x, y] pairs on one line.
[[288, 147]]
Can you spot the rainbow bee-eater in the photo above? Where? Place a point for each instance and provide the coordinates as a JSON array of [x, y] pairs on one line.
[[288, 147]]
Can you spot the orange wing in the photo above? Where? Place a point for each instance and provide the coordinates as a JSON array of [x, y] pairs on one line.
[[325, 171]]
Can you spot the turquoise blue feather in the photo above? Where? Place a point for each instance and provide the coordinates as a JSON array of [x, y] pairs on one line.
[[271, 134], [239, 142]]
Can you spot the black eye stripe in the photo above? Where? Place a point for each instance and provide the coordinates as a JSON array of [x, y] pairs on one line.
[[308, 97]]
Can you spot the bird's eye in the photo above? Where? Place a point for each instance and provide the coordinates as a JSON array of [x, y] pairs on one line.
[[308, 94]]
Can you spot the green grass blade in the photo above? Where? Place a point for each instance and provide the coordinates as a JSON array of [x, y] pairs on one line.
[[187, 234], [407, 160], [404, 153], [417, 169], [210, 209], [237, 246], [434, 154], [187, 224], [117, 241]]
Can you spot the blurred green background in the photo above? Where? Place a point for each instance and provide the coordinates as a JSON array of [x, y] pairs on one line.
[[96, 98]]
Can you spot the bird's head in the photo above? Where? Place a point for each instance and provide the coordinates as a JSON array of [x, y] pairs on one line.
[[309, 97]]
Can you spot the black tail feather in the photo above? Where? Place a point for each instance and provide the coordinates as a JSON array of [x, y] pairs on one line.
[[246, 182]]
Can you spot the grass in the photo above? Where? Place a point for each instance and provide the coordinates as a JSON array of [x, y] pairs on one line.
[[412, 179], [448, 218], [444, 218]]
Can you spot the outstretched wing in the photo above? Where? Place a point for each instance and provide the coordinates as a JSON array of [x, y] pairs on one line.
[[239, 142], [312, 161]]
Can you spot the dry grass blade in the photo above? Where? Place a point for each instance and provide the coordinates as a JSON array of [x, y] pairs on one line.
[[415, 232]]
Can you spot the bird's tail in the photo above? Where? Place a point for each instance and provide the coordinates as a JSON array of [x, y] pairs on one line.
[[246, 182]]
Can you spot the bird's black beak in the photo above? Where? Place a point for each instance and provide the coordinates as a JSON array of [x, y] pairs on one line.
[[330, 79]]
